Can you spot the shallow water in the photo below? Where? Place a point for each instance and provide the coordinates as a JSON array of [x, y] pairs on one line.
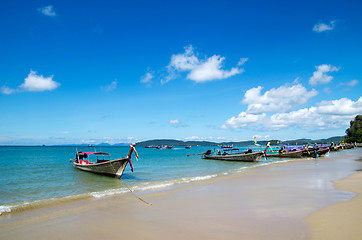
[[36, 175]]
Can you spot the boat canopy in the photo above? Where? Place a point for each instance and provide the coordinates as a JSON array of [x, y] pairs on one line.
[[229, 149], [96, 153]]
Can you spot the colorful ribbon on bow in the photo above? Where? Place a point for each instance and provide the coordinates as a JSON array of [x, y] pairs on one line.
[[135, 152], [270, 147], [130, 163]]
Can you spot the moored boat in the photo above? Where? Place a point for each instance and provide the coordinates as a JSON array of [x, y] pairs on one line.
[[104, 164], [227, 146], [286, 154], [150, 146], [247, 156], [165, 147], [315, 152]]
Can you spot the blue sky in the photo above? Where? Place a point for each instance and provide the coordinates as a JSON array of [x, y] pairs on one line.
[[115, 71]]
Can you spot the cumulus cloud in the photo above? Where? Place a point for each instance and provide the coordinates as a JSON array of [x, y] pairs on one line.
[[324, 115], [343, 106], [281, 99], [38, 83], [320, 76], [322, 27], [33, 83], [110, 87], [47, 11], [200, 70], [244, 120]]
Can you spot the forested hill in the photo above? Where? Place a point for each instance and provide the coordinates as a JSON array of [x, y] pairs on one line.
[[174, 142]]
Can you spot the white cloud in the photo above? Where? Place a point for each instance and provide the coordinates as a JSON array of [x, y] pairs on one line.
[[6, 90], [174, 121], [47, 11], [320, 76], [244, 120], [324, 115], [320, 117], [321, 27], [132, 138], [281, 99], [38, 83], [351, 83], [185, 61], [147, 78], [33, 83], [242, 61], [196, 138], [343, 106], [211, 70], [200, 70], [110, 87]]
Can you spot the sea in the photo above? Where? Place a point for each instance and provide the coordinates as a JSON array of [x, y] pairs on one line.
[[36, 176]]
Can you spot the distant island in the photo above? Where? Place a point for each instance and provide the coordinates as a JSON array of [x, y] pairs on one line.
[[173, 142]]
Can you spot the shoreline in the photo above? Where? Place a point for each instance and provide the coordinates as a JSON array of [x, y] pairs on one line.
[[340, 220], [270, 201], [13, 209]]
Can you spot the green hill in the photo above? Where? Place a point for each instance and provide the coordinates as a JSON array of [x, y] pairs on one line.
[[304, 141]]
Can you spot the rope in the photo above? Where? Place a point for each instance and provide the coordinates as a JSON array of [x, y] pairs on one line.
[[135, 195]]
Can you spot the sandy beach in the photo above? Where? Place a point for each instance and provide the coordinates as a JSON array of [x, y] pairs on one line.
[[291, 200]]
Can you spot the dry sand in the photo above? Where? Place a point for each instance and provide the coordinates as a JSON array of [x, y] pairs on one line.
[[267, 202]]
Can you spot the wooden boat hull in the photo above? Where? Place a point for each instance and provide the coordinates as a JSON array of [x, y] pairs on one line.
[[113, 168], [320, 152], [248, 157], [335, 149], [292, 154]]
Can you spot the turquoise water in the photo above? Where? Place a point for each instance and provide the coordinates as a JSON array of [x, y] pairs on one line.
[[32, 175]]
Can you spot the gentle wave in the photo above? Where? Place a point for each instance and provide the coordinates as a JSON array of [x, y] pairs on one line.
[[150, 186], [5, 209], [21, 207]]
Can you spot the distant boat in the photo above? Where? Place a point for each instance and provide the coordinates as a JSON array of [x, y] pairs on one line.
[[247, 156], [90, 145], [227, 146], [188, 147], [165, 147], [151, 146], [103, 165]]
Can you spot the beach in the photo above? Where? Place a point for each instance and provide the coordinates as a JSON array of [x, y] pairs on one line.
[[299, 199]]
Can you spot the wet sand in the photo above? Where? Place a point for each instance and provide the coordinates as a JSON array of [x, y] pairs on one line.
[[341, 220], [266, 202]]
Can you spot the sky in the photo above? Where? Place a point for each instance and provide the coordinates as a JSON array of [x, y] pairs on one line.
[[128, 71]]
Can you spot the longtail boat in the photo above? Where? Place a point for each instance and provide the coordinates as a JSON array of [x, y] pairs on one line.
[[243, 157], [286, 154], [227, 146], [247, 156], [104, 164], [315, 152], [165, 147]]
